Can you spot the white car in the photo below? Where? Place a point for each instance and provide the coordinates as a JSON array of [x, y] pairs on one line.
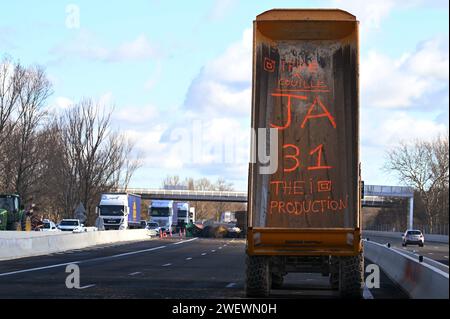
[[414, 237], [49, 226], [73, 225]]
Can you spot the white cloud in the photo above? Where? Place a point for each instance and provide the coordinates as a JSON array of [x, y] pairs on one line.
[[404, 82], [136, 115], [138, 49], [430, 60], [369, 13], [224, 84], [235, 64], [155, 77], [220, 9], [106, 99], [386, 128], [85, 45], [60, 103]]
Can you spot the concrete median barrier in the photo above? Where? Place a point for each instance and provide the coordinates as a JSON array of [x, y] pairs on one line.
[[418, 280], [26, 244]]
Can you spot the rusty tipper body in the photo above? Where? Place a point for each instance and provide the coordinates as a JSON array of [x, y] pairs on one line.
[[305, 216]]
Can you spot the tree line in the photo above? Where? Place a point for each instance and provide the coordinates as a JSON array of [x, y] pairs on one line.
[[424, 165], [57, 159]]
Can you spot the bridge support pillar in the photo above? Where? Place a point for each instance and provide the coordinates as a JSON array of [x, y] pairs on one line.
[[411, 213]]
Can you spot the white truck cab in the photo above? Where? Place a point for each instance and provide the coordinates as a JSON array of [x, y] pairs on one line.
[[120, 211], [113, 209], [162, 212]]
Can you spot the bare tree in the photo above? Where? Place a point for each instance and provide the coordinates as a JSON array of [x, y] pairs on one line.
[[23, 93], [33, 94], [172, 181], [11, 83], [423, 165], [94, 155]]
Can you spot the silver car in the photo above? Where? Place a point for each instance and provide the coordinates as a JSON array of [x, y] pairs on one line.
[[414, 237]]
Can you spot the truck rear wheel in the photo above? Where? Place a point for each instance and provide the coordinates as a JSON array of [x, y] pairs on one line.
[[257, 277], [277, 280], [351, 276], [334, 273]]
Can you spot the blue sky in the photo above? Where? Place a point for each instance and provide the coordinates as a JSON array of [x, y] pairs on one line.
[[178, 74]]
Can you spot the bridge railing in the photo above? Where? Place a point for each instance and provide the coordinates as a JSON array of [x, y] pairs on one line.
[[186, 192], [394, 191]]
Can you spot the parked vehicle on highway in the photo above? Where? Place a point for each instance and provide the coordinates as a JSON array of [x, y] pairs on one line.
[[70, 225], [182, 212], [120, 211], [163, 213], [12, 217], [414, 237], [48, 226], [153, 225], [305, 209]]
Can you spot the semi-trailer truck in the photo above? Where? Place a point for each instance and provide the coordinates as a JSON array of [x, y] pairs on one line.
[[120, 210], [192, 215], [304, 207], [182, 211], [163, 213]]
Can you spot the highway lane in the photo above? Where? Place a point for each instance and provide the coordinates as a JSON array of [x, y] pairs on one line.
[[201, 268], [436, 251]]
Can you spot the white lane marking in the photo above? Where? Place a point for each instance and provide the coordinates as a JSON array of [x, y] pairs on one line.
[[166, 265], [430, 253], [80, 261], [213, 250], [203, 254], [130, 253], [88, 286], [220, 247], [38, 268], [366, 293], [135, 273], [446, 257], [185, 241], [189, 258], [230, 285]]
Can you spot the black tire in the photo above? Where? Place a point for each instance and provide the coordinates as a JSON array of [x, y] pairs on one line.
[[257, 277], [351, 276], [334, 273], [277, 281], [420, 245]]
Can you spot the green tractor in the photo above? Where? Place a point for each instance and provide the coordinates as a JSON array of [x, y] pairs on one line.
[[12, 217]]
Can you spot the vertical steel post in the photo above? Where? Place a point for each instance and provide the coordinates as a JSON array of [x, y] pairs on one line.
[[411, 212]]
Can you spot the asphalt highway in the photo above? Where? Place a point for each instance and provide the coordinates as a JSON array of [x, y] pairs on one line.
[[158, 268]]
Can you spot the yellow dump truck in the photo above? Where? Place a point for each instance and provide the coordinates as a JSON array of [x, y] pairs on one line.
[[304, 215]]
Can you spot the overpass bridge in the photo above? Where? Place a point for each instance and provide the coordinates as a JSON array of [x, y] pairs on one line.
[[374, 196]]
